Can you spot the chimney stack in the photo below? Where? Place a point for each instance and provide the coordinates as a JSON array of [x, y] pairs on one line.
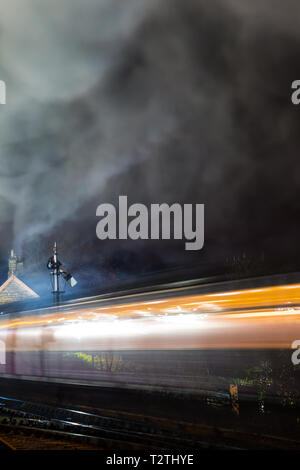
[[15, 266]]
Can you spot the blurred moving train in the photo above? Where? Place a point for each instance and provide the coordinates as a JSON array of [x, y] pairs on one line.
[[189, 337]]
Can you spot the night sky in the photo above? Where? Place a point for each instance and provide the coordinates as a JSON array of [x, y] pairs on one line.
[[183, 101]]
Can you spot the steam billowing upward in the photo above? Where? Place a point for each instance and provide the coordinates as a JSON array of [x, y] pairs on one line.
[[173, 101]]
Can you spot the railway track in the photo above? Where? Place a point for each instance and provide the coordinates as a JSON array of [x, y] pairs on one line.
[[80, 429], [23, 438], [37, 426]]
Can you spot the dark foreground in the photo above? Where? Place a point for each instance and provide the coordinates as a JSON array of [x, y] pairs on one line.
[[227, 412]]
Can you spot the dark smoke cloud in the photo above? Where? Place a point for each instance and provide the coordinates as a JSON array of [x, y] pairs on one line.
[[179, 100]]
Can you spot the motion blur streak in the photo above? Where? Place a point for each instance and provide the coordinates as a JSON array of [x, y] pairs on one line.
[[254, 318]]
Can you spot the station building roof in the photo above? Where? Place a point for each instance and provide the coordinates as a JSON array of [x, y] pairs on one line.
[[14, 290]]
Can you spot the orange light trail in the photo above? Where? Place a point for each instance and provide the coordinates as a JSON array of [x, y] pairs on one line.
[[250, 318]]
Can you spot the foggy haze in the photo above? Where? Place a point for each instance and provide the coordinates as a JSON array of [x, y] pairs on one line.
[[175, 101]]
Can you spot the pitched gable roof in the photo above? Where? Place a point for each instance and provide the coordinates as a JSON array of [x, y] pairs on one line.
[[14, 290]]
